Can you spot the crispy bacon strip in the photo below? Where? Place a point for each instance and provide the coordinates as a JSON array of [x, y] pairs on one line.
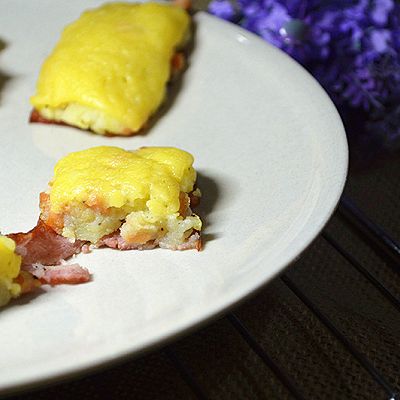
[[116, 241], [42, 245], [194, 200], [36, 117], [42, 251], [59, 274], [185, 4]]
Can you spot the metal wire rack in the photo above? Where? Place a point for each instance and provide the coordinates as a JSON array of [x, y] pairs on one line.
[[390, 249]]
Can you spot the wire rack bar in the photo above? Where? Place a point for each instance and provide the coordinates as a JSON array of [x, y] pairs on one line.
[[362, 360], [389, 244], [186, 373], [255, 346], [380, 286]]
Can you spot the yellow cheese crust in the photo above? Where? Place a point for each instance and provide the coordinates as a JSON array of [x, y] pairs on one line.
[[9, 269], [108, 177], [108, 72], [96, 191]]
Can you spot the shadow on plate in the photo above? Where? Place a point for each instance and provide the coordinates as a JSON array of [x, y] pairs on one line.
[[4, 77], [210, 196], [23, 300], [174, 87]]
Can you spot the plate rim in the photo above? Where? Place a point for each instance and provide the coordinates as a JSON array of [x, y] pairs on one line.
[[109, 360]]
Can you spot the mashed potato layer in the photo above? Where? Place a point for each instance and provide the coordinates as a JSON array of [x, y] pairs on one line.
[[9, 269], [109, 70], [144, 193]]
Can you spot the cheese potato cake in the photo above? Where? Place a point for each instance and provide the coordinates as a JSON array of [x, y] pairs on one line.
[[109, 71], [109, 197]]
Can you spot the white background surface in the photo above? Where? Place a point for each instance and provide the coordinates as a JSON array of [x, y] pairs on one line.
[[272, 157]]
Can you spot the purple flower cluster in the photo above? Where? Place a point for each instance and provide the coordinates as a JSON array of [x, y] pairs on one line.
[[351, 47]]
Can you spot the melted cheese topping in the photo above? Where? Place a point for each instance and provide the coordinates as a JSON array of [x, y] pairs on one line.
[[109, 177], [95, 192], [9, 269], [109, 70]]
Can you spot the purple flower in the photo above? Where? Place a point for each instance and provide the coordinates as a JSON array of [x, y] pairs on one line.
[[380, 11], [380, 40], [351, 46], [223, 9]]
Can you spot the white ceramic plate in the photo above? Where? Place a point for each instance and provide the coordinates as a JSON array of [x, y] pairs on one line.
[[272, 157]]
